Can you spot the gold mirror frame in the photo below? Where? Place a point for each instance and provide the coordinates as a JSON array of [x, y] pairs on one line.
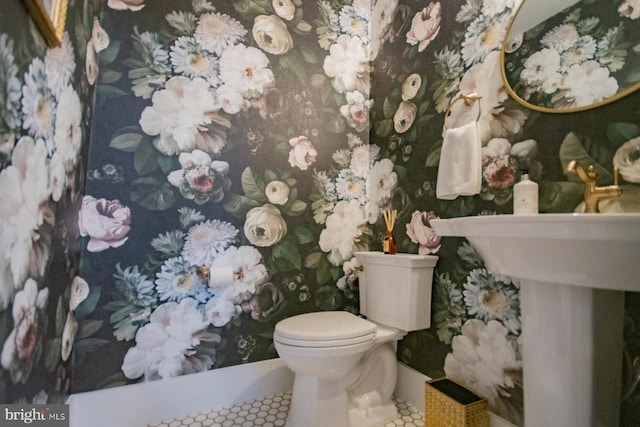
[[527, 104], [49, 16]]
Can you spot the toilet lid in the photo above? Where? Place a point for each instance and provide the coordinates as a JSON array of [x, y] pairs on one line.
[[325, 328]]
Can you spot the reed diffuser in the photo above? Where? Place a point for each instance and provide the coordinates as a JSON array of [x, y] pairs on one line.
[[389, 243]]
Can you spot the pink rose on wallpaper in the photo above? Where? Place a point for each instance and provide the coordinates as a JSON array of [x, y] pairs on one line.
[[419, 231], [425, 26], [303, 153], [133, 5], [106, 222]]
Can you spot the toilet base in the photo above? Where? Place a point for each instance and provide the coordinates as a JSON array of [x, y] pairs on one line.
[[372, 417], [317, 402]]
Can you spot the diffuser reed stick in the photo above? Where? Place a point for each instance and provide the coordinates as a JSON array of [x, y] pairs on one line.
[[389, 243]]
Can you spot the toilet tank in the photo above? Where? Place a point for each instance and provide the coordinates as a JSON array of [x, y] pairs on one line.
[[395, 290]]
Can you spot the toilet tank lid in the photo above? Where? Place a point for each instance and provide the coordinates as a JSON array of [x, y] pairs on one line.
[[324, 325], [396, 260]]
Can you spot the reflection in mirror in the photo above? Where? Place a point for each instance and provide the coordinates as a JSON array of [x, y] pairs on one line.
[[579, 55]]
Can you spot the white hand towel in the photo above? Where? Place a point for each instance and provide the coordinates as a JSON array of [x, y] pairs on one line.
[[460, 168]]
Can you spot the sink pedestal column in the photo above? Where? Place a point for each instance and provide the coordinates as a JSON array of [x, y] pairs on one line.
[[572, 355]]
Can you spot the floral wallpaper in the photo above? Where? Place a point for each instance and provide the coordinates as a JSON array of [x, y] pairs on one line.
[[262, 139], [45, 107], [582, 56]]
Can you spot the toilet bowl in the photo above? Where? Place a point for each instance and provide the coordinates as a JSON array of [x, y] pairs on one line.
[[345, 369], [345, 366]]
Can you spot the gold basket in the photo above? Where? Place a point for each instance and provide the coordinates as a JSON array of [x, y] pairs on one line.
[[450, 404]]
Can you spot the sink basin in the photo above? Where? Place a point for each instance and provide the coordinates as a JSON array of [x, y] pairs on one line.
[[593, 250], [573, 269]]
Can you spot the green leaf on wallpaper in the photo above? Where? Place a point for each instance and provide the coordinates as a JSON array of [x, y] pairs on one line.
[[250, 8], [168, 163], [87, 306], [88, 345], [303, 27], [108, 76], [88, 328], [312, 260], [389, 108], [110, 53], [152, 194], [52, 353], [270, 175], [586, 153], [410, 52], [293, 61], [632, 77], [296, 208], [412, 134], [433, 159], [250, 186], [303, 236], [238, 205], [128, 142], [383, 128], [323, 270], [108, 91], [618, 133], [61, 315], [286, 256], [309, 55], [400, 171], [423, 108], [145, 159], [559, 197]]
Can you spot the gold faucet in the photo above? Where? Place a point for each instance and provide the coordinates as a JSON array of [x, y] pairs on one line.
[[592, 193]]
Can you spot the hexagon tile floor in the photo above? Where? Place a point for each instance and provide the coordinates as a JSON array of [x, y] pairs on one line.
[[271, 411]]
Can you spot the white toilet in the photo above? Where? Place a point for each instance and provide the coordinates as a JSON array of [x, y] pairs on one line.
[[345, 366]]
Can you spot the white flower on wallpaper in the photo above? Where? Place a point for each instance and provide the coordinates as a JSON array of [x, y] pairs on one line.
[[180, 117], [216, 32], [60, 65], [496, 119], [501, 162], [207, 240], [38, 103], [344, 231], [246, 70], [356, 110], [10, 91], [166, 346], [585, 52], [483, 36], [264, 225], [627, 160], [271, 34], [348, 64], [201, 179], [485, 358], [133, 5], [24, 242], [587, 83], [24, 345], [143, 290], [629, 9]]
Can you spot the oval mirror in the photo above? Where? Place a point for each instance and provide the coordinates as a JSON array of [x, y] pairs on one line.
[[562, 56]]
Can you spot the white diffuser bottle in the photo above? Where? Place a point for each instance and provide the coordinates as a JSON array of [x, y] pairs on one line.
[[525, 196]]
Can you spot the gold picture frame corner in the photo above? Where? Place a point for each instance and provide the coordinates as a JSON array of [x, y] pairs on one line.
[[50, 17]]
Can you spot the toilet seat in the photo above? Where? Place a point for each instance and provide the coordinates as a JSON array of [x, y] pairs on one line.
[[325, 329]]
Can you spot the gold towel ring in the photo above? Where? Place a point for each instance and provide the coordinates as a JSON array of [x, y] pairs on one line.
[[469, 100]]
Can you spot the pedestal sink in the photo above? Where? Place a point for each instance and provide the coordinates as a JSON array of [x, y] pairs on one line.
[[573, 271]]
